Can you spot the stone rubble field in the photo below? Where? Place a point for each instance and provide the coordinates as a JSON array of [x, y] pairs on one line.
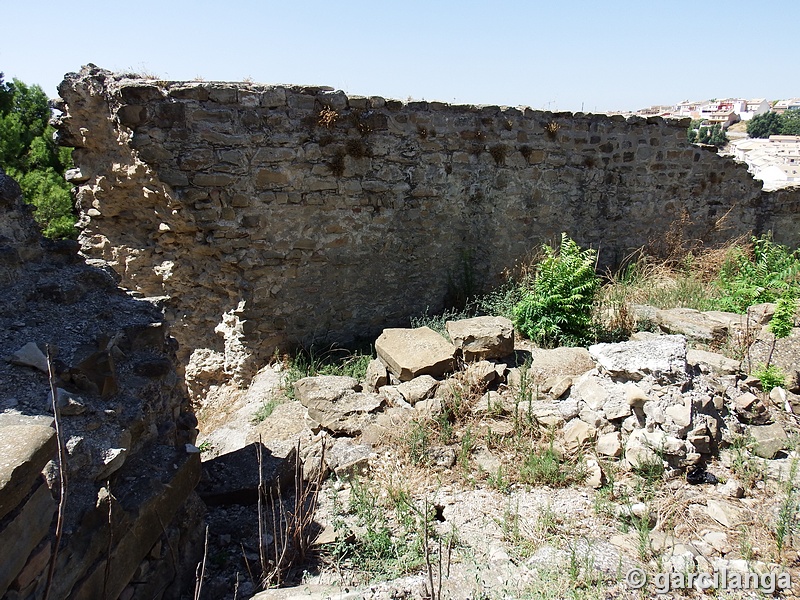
[[676, 460]]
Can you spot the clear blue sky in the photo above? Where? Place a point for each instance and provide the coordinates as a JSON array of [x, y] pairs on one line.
[[563, 54]]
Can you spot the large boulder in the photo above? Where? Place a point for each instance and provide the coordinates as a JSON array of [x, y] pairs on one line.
[[481, 338], [412, 352]]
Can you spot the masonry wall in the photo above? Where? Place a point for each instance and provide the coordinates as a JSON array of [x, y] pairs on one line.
[[268, 216]]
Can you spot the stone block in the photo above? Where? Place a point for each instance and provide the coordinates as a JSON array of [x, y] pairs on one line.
[[233, 478], [26, 445], [419, 388], [609, 444], [22, 531], [376, 376], [663, 356], [769, 440], [409, 353], [480, 338], [576, 434], [334, 404], [559, 362]]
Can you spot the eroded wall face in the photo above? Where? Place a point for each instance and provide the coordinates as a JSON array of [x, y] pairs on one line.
[[276, 215]]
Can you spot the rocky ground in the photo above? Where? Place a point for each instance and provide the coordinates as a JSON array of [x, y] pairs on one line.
[[540, 473]]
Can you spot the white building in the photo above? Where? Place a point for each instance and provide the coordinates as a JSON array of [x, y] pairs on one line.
[[775, 161], [753, 108]]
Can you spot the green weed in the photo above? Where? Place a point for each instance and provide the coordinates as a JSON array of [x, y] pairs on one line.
[[265, 410], [334, 361], [546, 468], [557, 307], [771, 376]]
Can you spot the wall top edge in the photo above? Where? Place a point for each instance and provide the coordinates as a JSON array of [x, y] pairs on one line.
[[328, 96]]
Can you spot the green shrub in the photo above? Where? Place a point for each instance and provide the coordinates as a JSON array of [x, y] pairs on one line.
[[770, 271], [546, 468], [557, 306], [771, 376], [783, 320]]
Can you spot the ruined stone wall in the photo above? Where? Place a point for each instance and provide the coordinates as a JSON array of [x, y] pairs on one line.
[[132, 522], [276, 215]]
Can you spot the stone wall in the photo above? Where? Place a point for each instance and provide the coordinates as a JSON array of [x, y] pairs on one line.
[[276, 215], [132, 523]]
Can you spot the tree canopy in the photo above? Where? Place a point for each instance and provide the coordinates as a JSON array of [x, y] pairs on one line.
[[702, 134], [29, 154], [771, 123]]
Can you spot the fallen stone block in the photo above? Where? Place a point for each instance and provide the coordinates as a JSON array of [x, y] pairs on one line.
[[233, 478], [419, 388], [409, 353], [663, 357], [769, 440], [480, 338]]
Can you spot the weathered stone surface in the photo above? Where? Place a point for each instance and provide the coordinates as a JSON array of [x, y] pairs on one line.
[[589, 389], [480, 338], [680, 418], [328, 388], [376, 376], [724, 513], [419, 388], [785, 356], [711, 362], [480, 374], [576, 434], [22, 531], [664, 356], [144, 504], [346, 458], [233, 478], [769, 439], [333, 403], [409, 353], [30, 356], [545, 413], [635, 395], [616, 407], [26, 445], [693, 324], [559, 362], [609, 444]]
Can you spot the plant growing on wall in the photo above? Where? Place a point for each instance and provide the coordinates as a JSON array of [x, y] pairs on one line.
[[327, 117], [557, 306]]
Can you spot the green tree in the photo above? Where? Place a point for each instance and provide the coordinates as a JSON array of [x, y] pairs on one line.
[[29, 154], [791, 122], [703, 134], [763, 126]]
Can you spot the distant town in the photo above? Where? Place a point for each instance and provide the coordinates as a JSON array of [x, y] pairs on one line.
[[774, 159]]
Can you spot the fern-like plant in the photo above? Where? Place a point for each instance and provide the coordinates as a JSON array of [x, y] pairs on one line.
[[556, 309], [767, 273]]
